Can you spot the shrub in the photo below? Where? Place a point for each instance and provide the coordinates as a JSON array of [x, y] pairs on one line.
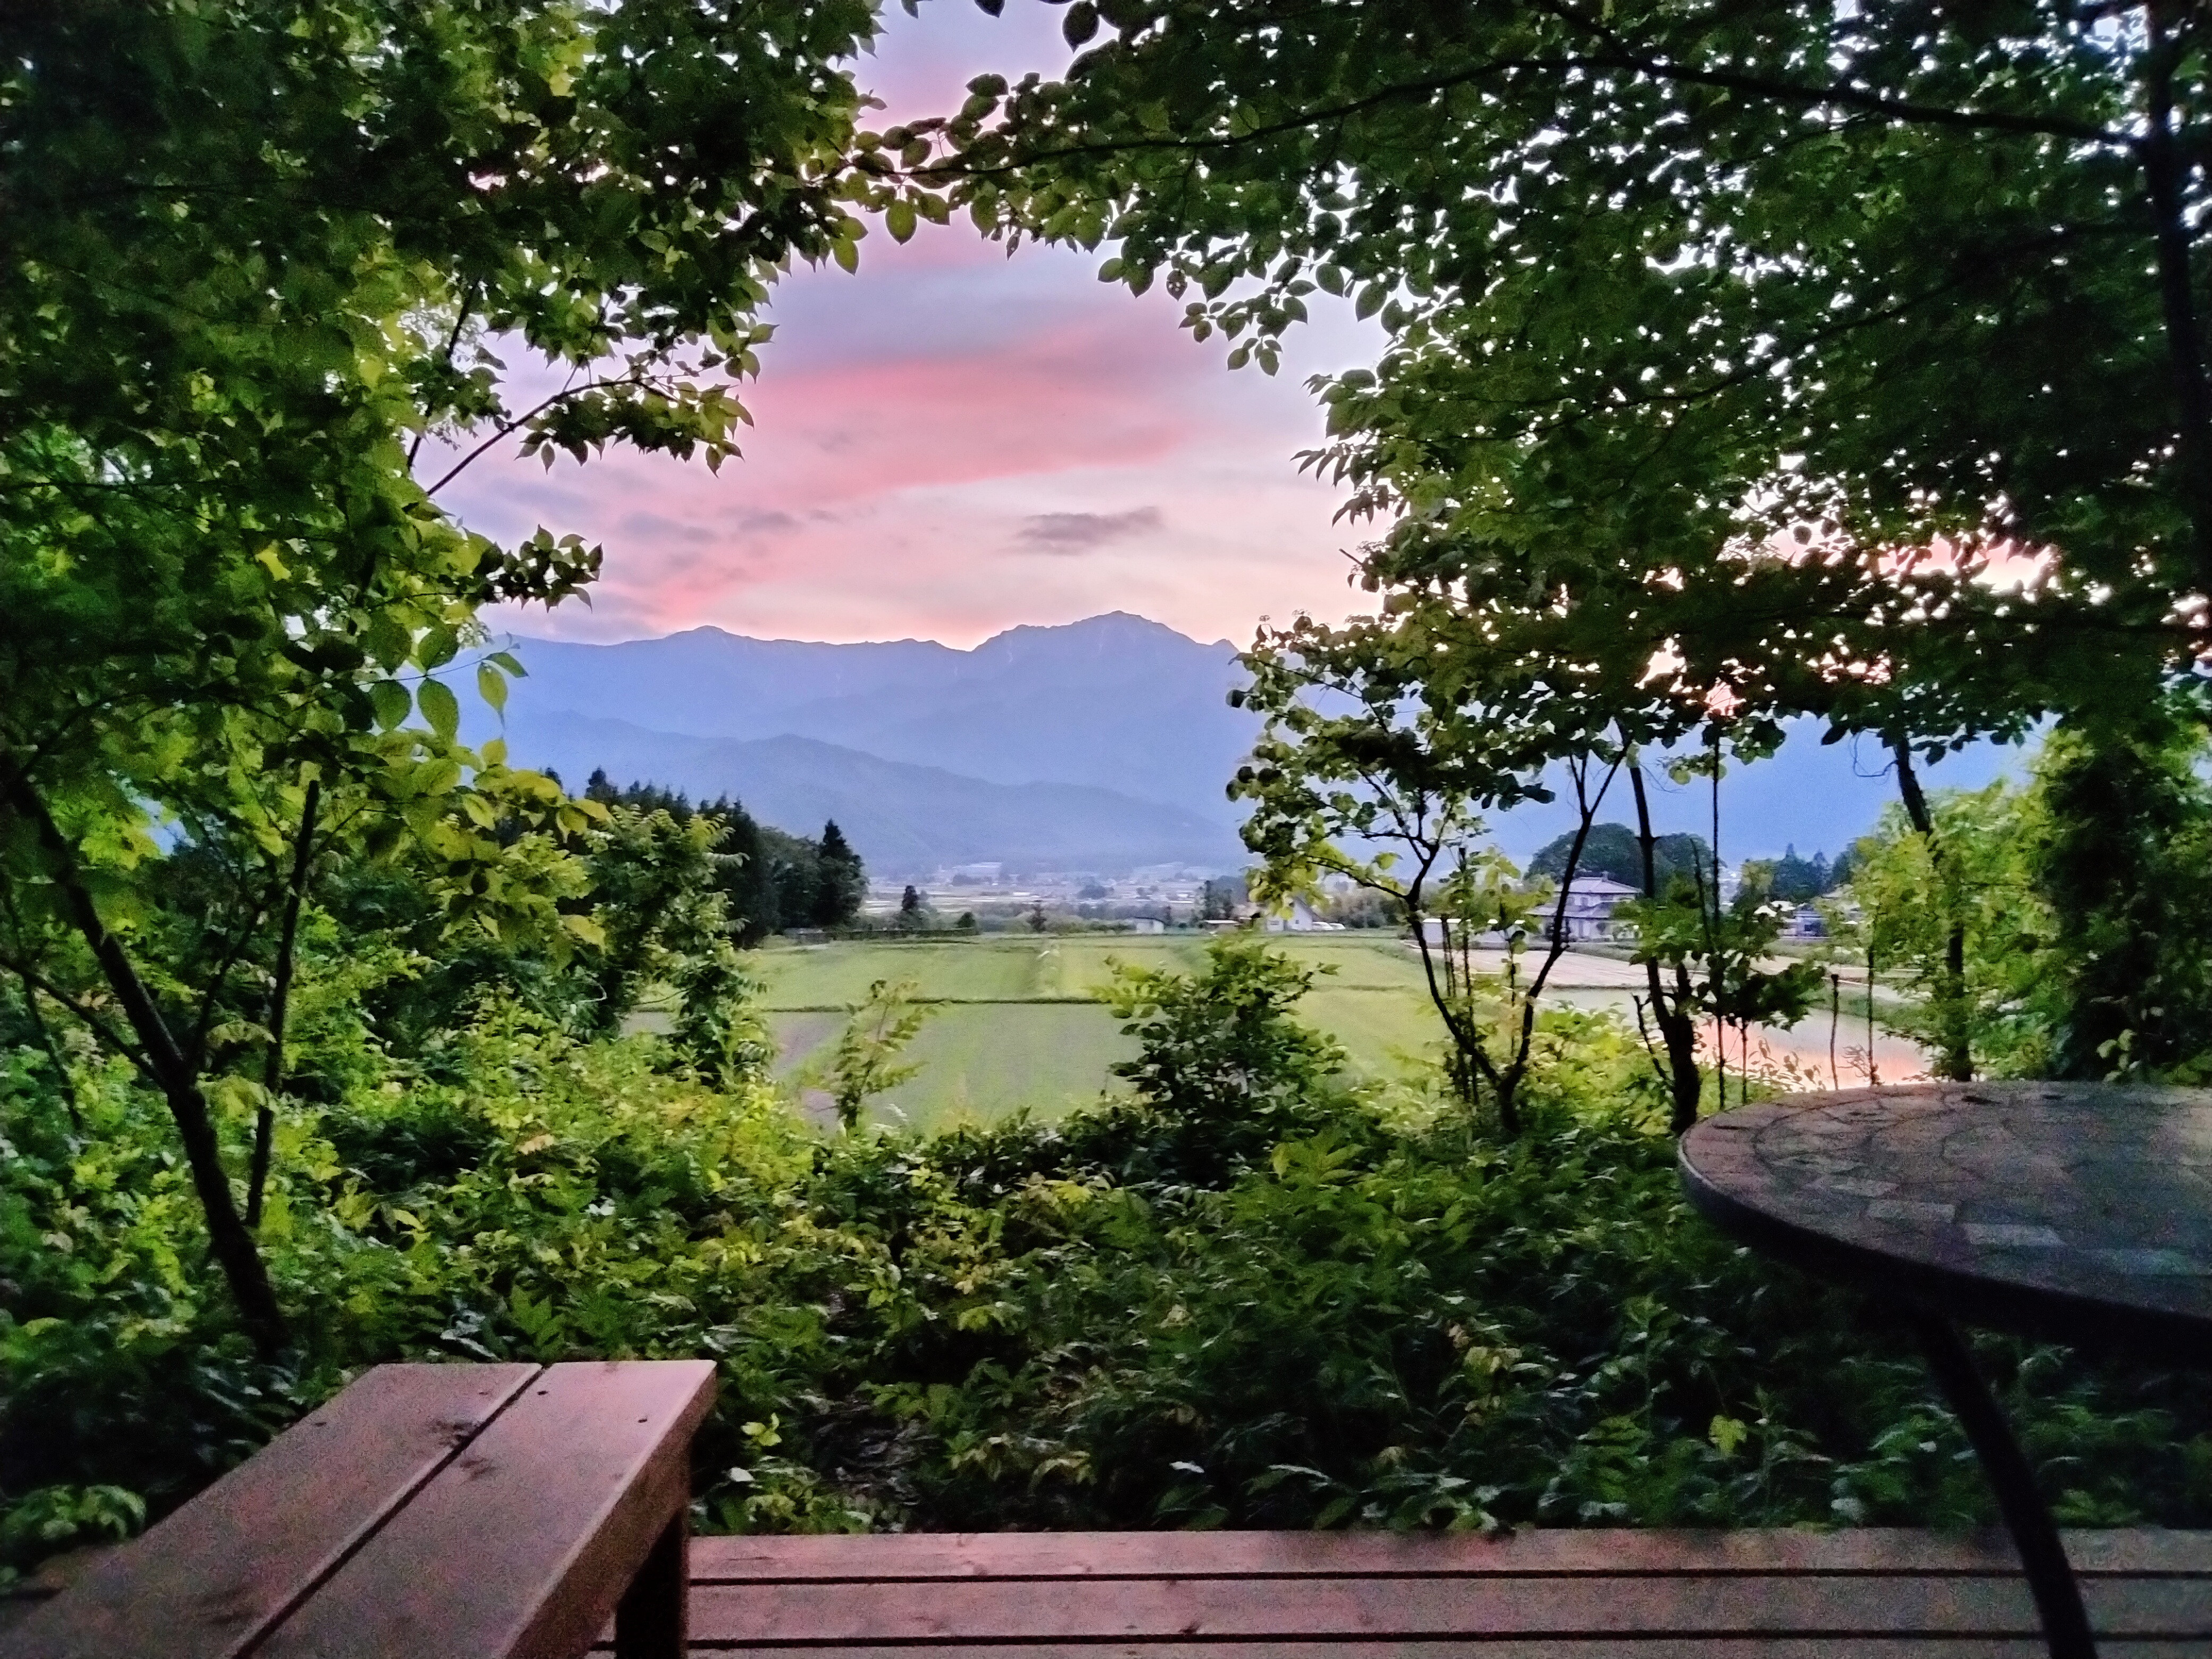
[[1242, 1294]]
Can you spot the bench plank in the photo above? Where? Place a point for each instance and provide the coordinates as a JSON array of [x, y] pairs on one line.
[[209, 1579], [1698, 1647], [955, 1612], [1875, 1594], [524, 1544], [1615, 1551]]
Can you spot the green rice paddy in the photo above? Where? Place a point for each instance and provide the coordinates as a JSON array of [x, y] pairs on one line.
[[1016, 1022]]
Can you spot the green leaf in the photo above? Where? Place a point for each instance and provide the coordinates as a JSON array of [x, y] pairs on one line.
[[898, 219], [389, 700], [491, 685], [387, 640], [437, 647], [441, 708]]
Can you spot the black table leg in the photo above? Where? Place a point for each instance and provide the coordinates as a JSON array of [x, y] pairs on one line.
[[2034, 1534]]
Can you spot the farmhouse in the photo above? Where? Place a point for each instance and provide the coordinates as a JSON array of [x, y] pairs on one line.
[[1590, 903]]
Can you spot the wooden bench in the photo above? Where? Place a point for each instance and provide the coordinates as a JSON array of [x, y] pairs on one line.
[[450, 1511], [1870, 1593], [425, 1512]]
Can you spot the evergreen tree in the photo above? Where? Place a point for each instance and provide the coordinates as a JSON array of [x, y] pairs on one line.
[[841, 881], [1839, 872], [1797, 880], [769, 879], [750, 882]]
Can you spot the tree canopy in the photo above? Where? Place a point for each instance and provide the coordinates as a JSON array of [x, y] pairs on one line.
[[1612, 851], [1740, 364], [1823, 358], [267, 262]]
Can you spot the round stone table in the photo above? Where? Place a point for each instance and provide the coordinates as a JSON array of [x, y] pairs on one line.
[[2081, 1212]]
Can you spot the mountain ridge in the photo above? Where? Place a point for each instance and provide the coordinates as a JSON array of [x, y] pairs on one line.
[[1115, 704], [905, 820]]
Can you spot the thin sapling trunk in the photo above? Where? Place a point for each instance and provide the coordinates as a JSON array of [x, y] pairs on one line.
[[167, 1066], [1954, 1057], [1677, 1031], [280, 998]]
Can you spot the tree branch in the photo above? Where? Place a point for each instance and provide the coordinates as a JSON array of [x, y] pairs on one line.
[[280, 994], [1620, 59], [166, 1063], [506, 429]]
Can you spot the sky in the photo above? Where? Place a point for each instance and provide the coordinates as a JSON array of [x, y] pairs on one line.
[[954, 442]]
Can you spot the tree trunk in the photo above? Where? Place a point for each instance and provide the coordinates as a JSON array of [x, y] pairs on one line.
[[280, 1002], [2165, 176], [1465, 1068], [176, 1078], [1685, 1083], [1954, 1058]]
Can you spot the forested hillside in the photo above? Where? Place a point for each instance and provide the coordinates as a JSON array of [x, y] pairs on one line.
[[906, 819]]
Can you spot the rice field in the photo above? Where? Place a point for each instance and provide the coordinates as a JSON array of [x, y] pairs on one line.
[[1017, 1023]]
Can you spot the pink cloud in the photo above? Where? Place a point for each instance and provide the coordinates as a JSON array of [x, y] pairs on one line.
[[1083, 395], [952, 442]]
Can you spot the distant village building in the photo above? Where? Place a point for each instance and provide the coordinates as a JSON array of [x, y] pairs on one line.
[[1591, 900], [1588, 915], [1805, 922], [1299, 918]]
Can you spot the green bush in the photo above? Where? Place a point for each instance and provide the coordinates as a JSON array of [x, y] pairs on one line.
[[1276, 1302]]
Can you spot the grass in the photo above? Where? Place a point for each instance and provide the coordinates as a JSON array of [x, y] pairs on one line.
[[1017, 1023], [983, 1061]]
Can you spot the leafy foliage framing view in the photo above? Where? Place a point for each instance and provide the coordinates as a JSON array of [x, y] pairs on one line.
[[1243, 1294], [1840, 362], [1826, 361]]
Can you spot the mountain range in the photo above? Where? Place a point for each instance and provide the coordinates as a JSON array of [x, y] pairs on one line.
[[1103, 744]]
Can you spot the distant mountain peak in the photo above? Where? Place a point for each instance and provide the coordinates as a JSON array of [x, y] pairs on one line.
[[1109, 632], [1116, 702], [1105, 623]]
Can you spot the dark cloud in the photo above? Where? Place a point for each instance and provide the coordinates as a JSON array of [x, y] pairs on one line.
[[1078, 532], [660, 527]]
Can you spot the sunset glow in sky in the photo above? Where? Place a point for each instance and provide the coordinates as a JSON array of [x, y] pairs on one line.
[[953, 442]]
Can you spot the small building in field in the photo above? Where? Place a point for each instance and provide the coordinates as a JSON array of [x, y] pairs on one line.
[[1805, 922], [1591, 900], [1298, 918]]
